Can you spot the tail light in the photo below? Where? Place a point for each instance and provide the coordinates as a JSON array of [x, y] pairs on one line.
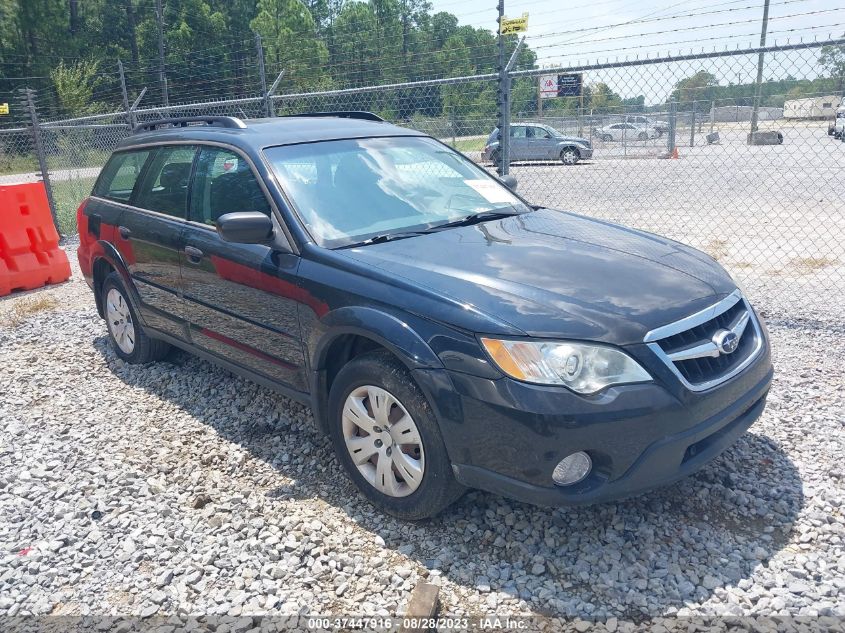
[[82, 220]]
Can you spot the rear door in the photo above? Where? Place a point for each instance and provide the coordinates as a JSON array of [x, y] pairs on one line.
[[151, 232], [241, 298]]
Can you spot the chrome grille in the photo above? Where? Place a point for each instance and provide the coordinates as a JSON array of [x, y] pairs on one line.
[[693, 349]]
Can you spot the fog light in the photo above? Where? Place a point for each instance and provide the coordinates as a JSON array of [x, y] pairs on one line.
[[572, 469]]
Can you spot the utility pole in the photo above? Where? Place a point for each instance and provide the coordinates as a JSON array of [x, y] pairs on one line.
[[162, 78], [503, 100], [259, 50], [758, 87]]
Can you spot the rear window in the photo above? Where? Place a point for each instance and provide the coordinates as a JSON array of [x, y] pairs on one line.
[[118, 178]]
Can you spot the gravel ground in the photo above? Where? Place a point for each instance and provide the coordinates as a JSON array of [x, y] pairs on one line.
[[178, 488]]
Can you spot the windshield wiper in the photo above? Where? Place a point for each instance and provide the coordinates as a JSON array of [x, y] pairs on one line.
[[475, 218], [385, 237]]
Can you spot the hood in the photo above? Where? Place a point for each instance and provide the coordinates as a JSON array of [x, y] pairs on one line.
[[554, 274]]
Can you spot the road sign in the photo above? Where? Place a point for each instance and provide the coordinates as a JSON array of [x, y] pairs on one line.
[[509, 26], [4, 108], [560, 85], [548, 86], [569, 85]]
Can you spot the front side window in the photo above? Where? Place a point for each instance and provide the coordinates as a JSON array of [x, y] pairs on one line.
[[165, 186], [347, 191], [224, 183], [120, 174], [519, 131]]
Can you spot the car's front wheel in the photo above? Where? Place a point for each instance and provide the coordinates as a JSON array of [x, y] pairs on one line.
[[570, 156], [128, 339], [388, 440]]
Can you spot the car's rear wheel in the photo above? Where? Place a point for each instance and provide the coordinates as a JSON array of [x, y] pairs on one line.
[[570, 156], [606, 137], [643, 136], [388, 440], [128, 339], [495, 157]]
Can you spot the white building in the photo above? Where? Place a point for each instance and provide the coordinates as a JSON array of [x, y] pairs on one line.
[[812, 108]]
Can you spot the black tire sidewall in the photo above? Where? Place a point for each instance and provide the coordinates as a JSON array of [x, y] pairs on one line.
[[438, 488], [565, 152]]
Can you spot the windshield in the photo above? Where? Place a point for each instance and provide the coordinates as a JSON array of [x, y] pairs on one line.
[[347, 191]]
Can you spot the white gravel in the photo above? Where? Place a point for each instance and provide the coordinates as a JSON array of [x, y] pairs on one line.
[[178, 488]]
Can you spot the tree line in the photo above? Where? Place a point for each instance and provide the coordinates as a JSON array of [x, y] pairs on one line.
[[207, 49]]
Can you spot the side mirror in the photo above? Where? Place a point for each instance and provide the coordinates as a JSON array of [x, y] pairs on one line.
[[245, 227], [509, 181]]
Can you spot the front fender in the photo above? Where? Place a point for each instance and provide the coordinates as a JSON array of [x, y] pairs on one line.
[[386, 329]]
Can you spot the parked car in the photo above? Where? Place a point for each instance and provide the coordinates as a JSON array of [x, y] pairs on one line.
[[446, 333], [644, 121], [837, 127], [626, 132], [535, 141]]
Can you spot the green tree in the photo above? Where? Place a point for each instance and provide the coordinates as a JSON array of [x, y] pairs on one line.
[[698, 87], [290, 41], [833, 59], [74, 85]]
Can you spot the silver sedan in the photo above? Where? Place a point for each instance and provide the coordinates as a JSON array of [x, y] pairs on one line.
[[535, 141]]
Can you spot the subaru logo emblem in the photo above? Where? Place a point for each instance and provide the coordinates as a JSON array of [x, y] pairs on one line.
[[726, 341]]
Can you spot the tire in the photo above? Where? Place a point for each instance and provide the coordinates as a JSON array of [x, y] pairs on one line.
[[351, 408], [642, 136], [127, 337], [495, 157], [570, 156], [606, 138]]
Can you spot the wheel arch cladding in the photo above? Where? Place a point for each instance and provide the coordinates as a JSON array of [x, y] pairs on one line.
[[349, 332], [109, 260]]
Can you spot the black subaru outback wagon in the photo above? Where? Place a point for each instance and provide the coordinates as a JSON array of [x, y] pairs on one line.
[[446, 332]]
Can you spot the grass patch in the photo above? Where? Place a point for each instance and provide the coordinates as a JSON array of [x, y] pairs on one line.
[[809, 265], [17, 164], [25, 307], [68, 194], [468, 144]]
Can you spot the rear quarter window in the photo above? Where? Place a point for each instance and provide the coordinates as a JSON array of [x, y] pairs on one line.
[[118, 178]]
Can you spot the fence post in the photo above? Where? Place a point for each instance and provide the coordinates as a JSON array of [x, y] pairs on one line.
[[28, 98], [673, 121], [259, 49], [125, 94], [692, 126]]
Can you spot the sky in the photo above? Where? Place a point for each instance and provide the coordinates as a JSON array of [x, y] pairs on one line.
[[576, 32]]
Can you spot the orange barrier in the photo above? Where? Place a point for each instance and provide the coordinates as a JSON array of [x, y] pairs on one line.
[[30, 256]]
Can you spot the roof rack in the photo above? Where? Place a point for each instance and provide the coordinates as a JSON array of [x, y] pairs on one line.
[[185, 121], [342, 114]]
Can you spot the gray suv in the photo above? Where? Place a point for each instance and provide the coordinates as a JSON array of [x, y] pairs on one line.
[[534, 141]]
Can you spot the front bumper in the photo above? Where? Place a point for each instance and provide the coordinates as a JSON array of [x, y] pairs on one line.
[[586, 152], [511, 435]]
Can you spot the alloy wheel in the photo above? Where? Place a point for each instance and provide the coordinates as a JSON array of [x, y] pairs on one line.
[[383, 441], [569, 157], [119, 320]]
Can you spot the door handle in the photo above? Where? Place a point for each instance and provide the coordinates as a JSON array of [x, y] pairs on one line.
[[125, 233], [194, 254]]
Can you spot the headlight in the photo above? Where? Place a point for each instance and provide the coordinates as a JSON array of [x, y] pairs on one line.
[[583, 367]]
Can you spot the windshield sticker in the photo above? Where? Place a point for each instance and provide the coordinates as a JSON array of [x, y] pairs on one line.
[[491, 191]]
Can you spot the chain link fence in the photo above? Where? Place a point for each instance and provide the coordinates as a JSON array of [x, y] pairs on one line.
[[773, 214]]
